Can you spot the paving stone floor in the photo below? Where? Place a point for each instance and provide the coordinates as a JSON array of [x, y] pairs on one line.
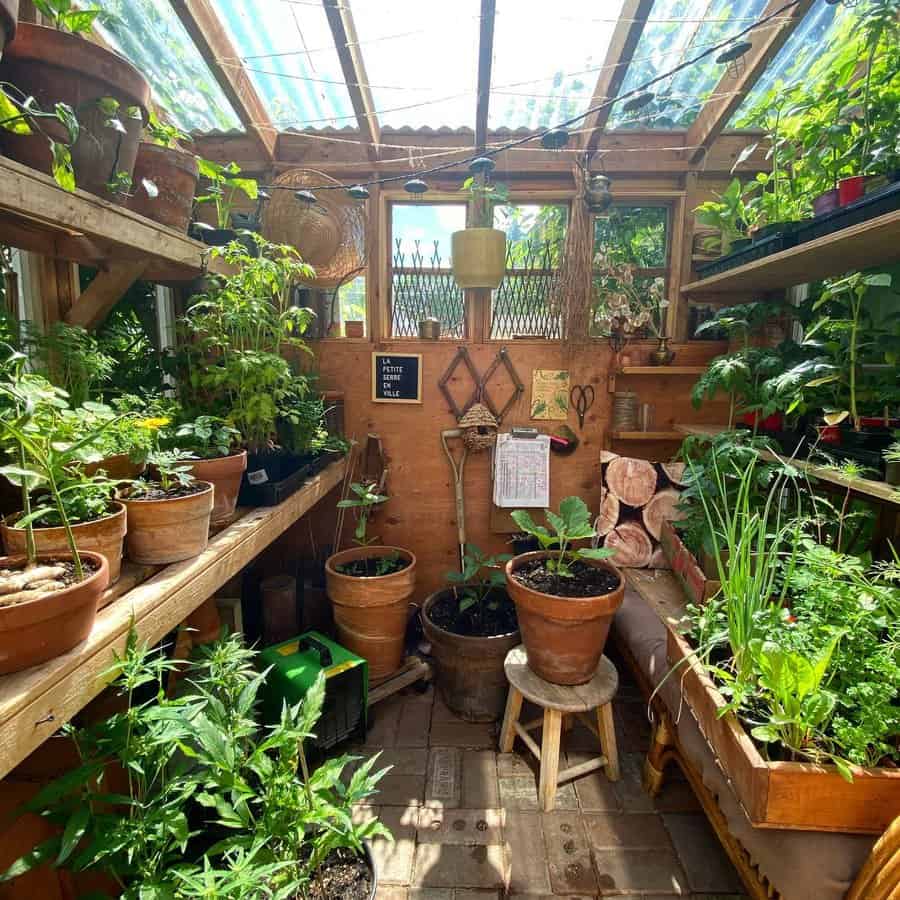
[[467, 825]]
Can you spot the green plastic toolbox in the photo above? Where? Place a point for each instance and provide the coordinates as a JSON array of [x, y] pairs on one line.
[[295, 666]]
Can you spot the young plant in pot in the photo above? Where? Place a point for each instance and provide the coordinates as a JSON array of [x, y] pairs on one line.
[[222, 190], [479, 252], [109, 97], [48, 600], [168, 511], [728, 215], [565, 597], [369, 587], [121, 443], [472, 626]]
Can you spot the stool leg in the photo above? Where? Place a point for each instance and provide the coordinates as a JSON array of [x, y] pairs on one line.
[[607, 728], [550, 758], [510, 717]]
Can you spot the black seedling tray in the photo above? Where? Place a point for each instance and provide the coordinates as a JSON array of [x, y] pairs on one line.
[[774, 243], [869, 207], [294, 471]]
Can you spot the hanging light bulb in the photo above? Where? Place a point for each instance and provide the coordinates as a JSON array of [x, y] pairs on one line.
[[415, 186], [639, 101], [307, 197], [358, 192], [555, 139], [482, 164], [733, 57]]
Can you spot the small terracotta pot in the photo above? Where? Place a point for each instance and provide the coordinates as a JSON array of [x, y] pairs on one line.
[[371, 614], [224, 474], [58, 67], [38, 630], [175, 173], [205, 621], [354, 329], [470, 669], [564, 636], [119, 467], [168, 531], [102, 536]]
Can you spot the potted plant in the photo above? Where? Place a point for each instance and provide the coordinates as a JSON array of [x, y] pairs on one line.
[[165, 177], [168, 512], [471, 627], [122, 440], [222, 189], [108, 95], [48, 601], [565, 597], [211, 442], [479, 252], [728, 216], [892, 464], [369, 587]]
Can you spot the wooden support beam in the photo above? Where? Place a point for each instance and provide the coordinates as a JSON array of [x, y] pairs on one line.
[[208, 34], [621, 49], [102, 294], [485, 60], [735, 84], [340, 20]]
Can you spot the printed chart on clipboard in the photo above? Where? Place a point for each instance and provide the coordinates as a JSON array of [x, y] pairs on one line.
[[521, 478]]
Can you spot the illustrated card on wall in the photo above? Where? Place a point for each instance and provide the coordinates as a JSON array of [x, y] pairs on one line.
[[397, 377], [550, 394]]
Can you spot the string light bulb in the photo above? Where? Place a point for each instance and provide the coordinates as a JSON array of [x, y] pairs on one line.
[[307, 197], [639, 101], [555, 139], [358, 192], [415, 186], [482, 164], [733, 57]]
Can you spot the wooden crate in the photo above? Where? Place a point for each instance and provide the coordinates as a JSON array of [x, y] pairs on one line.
[[697, 586], [799, 796]]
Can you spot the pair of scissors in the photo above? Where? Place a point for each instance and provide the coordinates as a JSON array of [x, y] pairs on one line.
[[582, 398]]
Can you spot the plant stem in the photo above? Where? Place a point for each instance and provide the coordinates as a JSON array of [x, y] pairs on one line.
[[30, 548]]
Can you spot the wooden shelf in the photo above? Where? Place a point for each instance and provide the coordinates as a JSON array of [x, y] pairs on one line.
[[864, 487], [646, 435], [662, 370], [36, 214], [36, 702], [872, 243]]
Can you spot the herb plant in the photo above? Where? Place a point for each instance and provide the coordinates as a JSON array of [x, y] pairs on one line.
[[224, 185], [71, 357], [64, 15], [207, 437], [475, 591], [367, 498], [171, 474]]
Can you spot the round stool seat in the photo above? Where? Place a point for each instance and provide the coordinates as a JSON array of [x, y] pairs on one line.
[[599, 691]]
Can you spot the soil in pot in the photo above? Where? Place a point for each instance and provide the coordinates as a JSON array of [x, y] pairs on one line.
[[496, 615], [587, 581], [343, 876], [373, 566]]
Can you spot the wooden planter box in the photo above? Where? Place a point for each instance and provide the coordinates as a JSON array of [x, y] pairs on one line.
[[799, 796], [697, 586]]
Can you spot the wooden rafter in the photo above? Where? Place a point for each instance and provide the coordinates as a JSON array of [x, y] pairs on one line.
[[621, 49], [485, 59], [208, 34], [734, 85], [340, 20]]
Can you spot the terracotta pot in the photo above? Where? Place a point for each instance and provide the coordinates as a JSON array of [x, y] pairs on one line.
[[9, 15], [478, 257], [102, 536], [371, 614], [224, 474], [175, 173], [38, 630], [470, 669], [57, 67], [119, 467], [205, 621], [354, 329], [564, 636], [168, 531]]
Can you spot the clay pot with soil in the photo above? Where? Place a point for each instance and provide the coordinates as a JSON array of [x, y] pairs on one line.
[[345, 874], [58, 67], [370, 588], [103, 535], [174, 172], [224, 473], [45, 610]]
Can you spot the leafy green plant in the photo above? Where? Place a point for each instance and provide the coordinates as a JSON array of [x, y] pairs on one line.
[[164, 134], [207, 437], [64, 15], [572, 523], [170, 473], [224, 186], [71, 357], [483, 195], [367, 498], [114, 432], [728, 214], [475, 591]]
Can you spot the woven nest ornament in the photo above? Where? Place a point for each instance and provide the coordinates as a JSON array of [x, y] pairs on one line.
[[479, 428], [330, 233]]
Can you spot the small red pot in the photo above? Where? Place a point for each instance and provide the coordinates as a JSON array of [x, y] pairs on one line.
[[830, 434], [850, 189], [769, 423]]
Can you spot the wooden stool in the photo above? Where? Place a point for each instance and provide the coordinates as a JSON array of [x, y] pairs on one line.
[[558, 702]]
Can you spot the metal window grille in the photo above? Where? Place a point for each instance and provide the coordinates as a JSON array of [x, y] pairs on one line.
[[422, 287]]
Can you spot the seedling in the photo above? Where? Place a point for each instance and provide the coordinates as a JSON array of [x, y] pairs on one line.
[[475, 590], [366, 499], [170, 475]]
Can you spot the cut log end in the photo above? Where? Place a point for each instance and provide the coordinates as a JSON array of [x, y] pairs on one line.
[[609, 513], [659, 560], [674, 471], [663, 507], [632, 545], [632, 481], [607, 456]]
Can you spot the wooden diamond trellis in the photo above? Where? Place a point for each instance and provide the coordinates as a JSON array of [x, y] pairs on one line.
[[479, 392]]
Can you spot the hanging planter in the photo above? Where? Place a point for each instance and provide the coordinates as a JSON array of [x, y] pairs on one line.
[[478, 254]]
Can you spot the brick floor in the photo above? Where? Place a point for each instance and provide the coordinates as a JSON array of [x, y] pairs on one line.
[[467, 825]]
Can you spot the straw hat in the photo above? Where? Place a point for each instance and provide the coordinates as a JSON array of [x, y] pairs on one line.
[[329, 234]]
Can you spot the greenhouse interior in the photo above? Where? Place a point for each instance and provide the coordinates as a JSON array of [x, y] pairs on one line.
[[449, 451]]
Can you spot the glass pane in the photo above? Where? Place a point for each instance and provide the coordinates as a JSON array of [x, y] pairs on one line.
[[421, 59], [635, 235], [425, 229], [288, 50], [532, 230], [150, 34], [547, 59], [676, 31], [352, 301]]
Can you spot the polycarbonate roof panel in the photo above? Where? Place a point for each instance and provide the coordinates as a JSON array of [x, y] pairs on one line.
[[547, 59], [805, 55], [421, 59], [676, 31], [287, 48], [149, 34]]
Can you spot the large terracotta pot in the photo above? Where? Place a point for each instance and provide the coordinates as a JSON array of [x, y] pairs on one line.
[[168, 531], [38, 630], [224, 474], [478, 257], [58, 67], [102, 536], [175, 173], [119, 467], [564, 636], [9, 15], [371, 614], [470, 669]]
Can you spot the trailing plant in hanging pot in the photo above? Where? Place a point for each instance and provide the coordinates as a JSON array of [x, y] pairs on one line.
[[479, 252]]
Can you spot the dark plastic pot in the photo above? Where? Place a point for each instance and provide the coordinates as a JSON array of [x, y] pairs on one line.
[[826, 203], [892, 472], [740, 244], [867, 438], [212, 237], [775, 228], [470, 669]]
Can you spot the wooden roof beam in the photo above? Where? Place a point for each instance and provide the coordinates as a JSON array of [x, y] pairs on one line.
[[734, 85], [343, 30], [619, 54], [485, 61], [209, 36]]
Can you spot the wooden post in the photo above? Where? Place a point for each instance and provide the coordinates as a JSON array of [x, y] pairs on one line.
[[103, 293], [550, 758]]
